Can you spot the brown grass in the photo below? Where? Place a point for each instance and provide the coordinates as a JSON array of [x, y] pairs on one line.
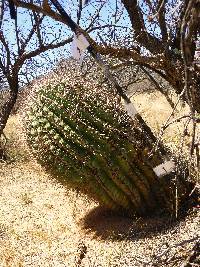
[[44, 224]]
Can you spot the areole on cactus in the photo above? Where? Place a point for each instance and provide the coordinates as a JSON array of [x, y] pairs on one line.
[[82, 136]]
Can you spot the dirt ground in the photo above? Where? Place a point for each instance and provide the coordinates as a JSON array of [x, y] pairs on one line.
[[44, 224]]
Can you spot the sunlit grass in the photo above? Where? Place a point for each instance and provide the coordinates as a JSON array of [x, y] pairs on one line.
[[41, 222]]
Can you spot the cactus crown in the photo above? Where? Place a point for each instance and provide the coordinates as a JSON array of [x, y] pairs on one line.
[[79, 132]]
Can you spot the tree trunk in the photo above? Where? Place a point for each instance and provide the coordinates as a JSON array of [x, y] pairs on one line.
[[7, 107]]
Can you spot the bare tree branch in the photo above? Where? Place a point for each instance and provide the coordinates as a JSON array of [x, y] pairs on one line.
[[42, 49], [153, 44], [5, 44], [30, 35]]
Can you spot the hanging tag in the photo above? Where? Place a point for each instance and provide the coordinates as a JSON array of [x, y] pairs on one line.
[[164, 168], [75, 51], [130, 109], [85, 2], [82, 42], [78, 46]]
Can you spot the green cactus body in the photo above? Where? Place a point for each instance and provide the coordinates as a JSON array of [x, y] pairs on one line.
[[82, 136]]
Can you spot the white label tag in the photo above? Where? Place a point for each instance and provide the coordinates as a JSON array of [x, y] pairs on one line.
[[76, 53], [85, 2], [164, 168], [78, 46], [130, 109], [82, 42]]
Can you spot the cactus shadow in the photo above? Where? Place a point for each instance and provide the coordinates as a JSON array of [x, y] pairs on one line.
[[104, 224]]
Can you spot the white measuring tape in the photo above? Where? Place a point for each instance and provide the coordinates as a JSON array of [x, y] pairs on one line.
[[164, 168]]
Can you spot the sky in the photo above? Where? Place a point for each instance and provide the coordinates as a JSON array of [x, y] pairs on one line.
[[51, 28]]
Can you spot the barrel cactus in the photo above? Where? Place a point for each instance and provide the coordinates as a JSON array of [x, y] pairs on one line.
[[81, 134]]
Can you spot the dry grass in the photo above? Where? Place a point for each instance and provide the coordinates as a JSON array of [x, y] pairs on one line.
[[155, 109], [44, 224], [16, 148], [37, 217]]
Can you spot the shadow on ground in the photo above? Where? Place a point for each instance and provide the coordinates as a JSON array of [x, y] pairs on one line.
[[102, 223]]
